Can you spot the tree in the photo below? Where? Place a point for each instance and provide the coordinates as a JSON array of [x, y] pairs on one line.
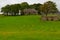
[[12, 9], [15, 9], [30, 11], [48, 7], [36, 6], [5, 9], [24, 5]]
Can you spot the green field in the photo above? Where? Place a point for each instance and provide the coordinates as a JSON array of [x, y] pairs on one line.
[[28, 28]]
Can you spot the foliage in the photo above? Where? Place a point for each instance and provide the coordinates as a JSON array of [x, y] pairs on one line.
[[13, 9], [46, 8], [24, 5], [49, 7], [30, 11], [36, 6]]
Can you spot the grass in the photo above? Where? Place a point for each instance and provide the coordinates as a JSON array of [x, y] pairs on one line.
[[28, 28]]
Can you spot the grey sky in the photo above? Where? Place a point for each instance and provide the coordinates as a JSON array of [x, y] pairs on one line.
[[5, 2]]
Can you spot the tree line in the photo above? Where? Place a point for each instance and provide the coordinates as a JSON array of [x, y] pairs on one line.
[[46, 8]]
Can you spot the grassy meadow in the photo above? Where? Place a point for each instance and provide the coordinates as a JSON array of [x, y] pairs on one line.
[[28, 28]]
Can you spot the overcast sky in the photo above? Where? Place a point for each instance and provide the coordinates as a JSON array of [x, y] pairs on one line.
[[5, 2]]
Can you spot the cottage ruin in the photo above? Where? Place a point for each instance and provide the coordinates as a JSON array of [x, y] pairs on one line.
[[53, 17]]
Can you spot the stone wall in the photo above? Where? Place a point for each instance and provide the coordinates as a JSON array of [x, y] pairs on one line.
[[50, 18]]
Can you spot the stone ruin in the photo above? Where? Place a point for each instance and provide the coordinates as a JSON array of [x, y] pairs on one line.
[[50, 18]]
